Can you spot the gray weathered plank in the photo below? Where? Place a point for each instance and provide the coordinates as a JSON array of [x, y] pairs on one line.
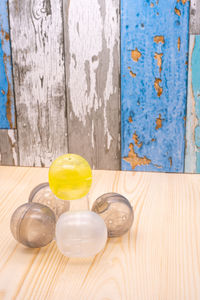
[[195, 17], [38, 62], [92, 77], [8, 147]]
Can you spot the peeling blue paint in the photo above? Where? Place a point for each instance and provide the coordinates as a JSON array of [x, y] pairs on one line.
[[152, 27], [195, 67], [7, 109]]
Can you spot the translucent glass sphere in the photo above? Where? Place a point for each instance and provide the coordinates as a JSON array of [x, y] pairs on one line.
[[70, 177], [33, 225], [80, 234], [43, 194], [116, 211]]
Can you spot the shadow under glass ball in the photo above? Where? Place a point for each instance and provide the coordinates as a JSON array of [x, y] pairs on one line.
[[33, 225], [43, 194], [116, 212]]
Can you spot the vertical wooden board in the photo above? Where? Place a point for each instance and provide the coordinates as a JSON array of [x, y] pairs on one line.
[[194, 17], [92, 79], [192, 153], [154, 46], [8, 147], [38, 62], [7, 109]]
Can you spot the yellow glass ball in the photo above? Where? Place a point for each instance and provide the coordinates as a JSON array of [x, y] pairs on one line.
[[70, 177]]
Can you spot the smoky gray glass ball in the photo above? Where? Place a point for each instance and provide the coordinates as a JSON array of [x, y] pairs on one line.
[[33, 225], [43, 194], [116, 212]]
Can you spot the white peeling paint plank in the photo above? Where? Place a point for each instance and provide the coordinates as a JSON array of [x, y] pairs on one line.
[[39, 77], [92, 79]]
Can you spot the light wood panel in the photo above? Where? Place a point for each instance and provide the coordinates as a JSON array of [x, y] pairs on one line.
[[158, 259], [8, 147], [92, 79], [39, 76]]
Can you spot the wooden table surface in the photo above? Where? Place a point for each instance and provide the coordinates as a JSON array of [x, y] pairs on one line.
[[158, 259]]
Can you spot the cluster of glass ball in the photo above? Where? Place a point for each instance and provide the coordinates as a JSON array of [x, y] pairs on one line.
[[77, 233]]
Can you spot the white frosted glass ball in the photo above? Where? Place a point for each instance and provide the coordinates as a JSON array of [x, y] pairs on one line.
[[80, 234]]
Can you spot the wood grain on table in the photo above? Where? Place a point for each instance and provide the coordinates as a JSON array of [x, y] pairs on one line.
[[158, 259]]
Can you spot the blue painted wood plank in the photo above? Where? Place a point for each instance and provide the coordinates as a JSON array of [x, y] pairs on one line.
[[7, 109], [154, 53], [192, 152]]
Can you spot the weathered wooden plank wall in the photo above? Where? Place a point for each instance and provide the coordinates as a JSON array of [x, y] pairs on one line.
[[66, 69], [154, 49], [92, 78], [67, 100], [7, 111]]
